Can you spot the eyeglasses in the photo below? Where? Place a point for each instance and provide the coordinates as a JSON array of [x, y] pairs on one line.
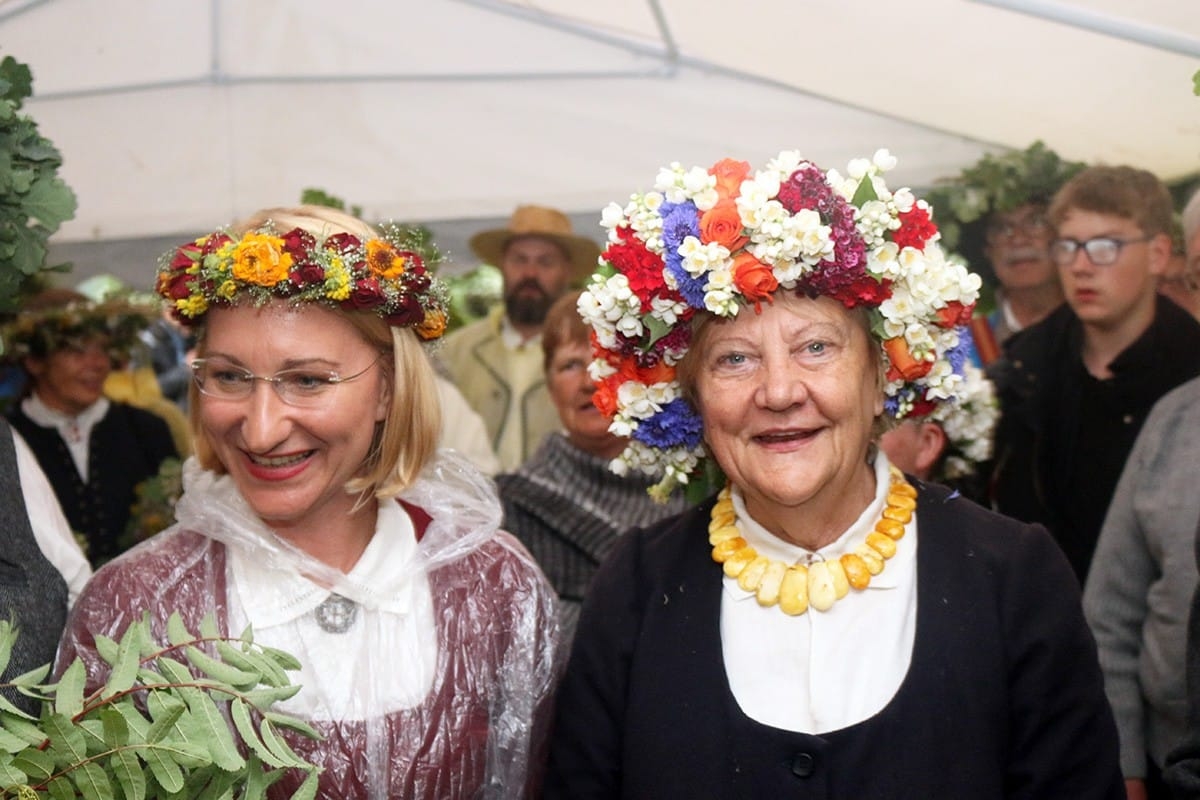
[[1035, 225], [304, 387], [1101, 251]]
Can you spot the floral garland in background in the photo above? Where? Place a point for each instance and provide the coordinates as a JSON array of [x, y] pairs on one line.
[[994, 184], [119, 319], [387, 275], [722, 239]]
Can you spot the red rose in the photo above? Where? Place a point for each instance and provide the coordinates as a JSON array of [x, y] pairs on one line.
[[342, 243], [186, 256], [174, 285], [299, 243], [214, 243], [366, 294], [308, 274], [409, 312]]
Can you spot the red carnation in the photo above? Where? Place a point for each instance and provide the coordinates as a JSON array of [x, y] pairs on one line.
[[916, 228], [643, 269]]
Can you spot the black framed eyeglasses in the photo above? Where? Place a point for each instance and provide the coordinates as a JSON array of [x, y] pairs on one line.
[[303, 387], [1101, 250]]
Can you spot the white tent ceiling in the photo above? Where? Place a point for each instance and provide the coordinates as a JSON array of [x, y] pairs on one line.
[[180, 115]]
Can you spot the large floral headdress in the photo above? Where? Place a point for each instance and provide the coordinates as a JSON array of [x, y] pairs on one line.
[[385, 275], [722, 239]]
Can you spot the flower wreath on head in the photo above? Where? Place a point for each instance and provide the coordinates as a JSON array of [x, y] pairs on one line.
[[721, 239], [43, 331], [970, 425], [386, 275]]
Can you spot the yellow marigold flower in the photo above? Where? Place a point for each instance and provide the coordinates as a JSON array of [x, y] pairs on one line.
[[259, 258], [383, 259], [433, 326], [227, 290]]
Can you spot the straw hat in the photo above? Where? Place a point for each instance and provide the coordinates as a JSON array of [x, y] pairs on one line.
[[538, 221]]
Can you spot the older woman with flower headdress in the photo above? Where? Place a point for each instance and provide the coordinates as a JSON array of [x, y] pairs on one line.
[[317, 512], [826, 626]]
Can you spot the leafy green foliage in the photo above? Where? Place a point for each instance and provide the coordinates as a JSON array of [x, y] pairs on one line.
[[34, 202], [1196, 83], [158, 727]]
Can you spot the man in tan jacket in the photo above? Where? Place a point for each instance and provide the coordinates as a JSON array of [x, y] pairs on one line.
[[496, 362]]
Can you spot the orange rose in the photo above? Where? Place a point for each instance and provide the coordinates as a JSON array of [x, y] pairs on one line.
[[259, 258], [904, 365], [954, 314], [729, 175], [433, 326], [605, 396], [753, 279], [723, 225]]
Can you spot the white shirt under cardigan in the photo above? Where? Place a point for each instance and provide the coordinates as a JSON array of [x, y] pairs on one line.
[[822, 670], [51, 530]]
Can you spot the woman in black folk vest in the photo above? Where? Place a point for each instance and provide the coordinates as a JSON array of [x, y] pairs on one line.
[[826, 626], [95, 451]]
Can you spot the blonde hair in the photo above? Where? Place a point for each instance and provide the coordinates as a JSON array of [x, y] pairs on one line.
[[408, 435]]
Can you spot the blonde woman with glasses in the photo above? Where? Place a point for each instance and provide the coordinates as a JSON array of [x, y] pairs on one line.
[[318, 511]]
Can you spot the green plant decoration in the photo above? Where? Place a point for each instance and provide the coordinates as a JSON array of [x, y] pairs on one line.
[[34, 202], [158, 727]]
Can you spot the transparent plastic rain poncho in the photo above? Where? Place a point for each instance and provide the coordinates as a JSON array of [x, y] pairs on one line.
[[441, 686]]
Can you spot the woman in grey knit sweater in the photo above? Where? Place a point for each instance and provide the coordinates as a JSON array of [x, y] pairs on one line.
[[564, 503]]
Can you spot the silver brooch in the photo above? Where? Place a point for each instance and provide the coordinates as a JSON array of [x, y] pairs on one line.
[[336, 613]]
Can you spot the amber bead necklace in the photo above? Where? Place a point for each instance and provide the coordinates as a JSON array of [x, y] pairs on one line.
[[821, 582]]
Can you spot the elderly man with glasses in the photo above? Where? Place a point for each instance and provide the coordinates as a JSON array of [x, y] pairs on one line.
[[1075, 388]]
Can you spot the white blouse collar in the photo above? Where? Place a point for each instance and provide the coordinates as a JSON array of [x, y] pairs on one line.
[[272, 593]]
